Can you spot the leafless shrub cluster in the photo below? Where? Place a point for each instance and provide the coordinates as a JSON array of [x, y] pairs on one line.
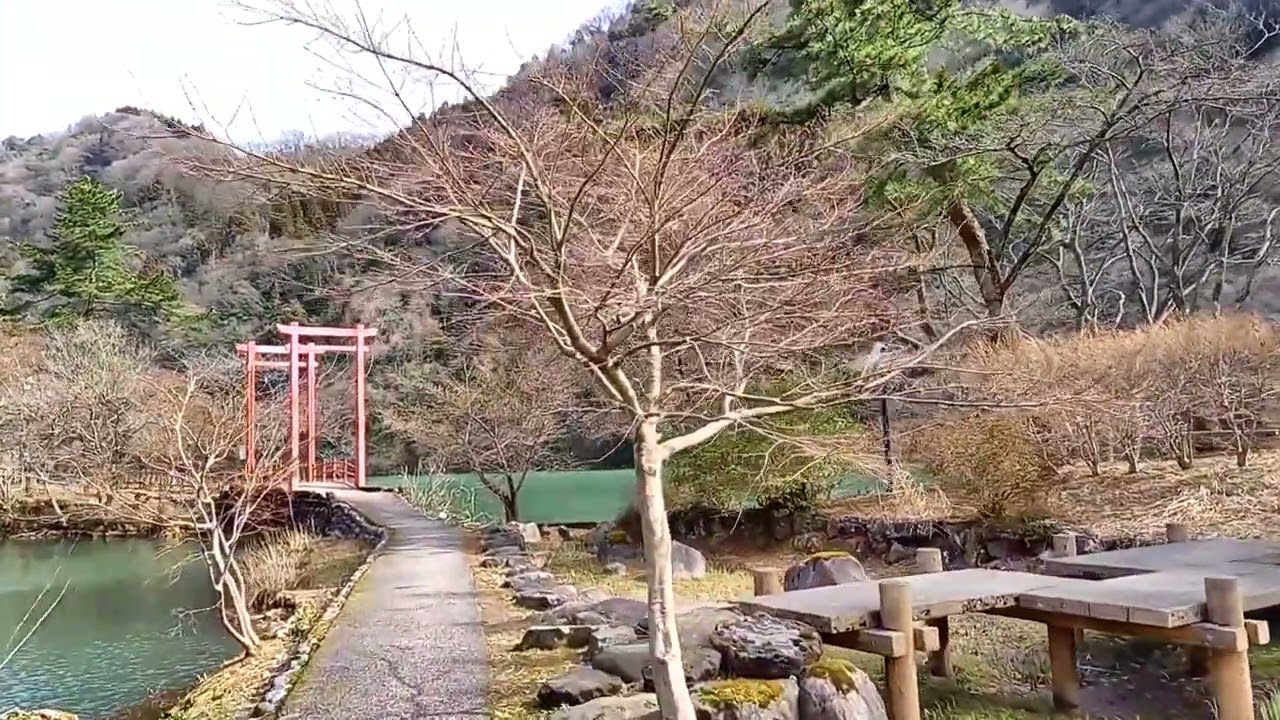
[[1164, 391]]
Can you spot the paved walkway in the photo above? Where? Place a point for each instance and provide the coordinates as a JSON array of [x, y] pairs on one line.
[[408, 643]]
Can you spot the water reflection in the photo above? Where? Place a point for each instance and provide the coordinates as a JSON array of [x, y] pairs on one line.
[[116, 635]]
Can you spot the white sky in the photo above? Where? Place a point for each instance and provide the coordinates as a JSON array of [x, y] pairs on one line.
[[61, 60]]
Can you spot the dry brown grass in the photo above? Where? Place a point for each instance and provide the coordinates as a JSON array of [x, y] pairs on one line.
[[1213, 498]]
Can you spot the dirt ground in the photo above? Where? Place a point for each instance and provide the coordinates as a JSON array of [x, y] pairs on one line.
[[1002, 665]]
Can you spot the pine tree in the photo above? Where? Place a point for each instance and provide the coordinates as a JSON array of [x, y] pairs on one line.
[[85, 270]]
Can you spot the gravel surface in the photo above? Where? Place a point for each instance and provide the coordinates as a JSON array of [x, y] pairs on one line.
[[408, 643]]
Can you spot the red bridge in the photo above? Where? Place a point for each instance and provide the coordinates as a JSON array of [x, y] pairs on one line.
[[303, 362]]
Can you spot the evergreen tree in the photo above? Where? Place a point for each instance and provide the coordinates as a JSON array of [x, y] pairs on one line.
[[85, 271], [942, 83]]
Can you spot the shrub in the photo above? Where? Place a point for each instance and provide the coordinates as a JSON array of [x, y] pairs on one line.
[[275, 564], [998, 462], [1122, 394], [793, 461]]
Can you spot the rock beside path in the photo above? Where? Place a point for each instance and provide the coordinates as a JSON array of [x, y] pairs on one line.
[[835, 689], [630, 707], [550, 637], [747, 699], [823, 569], [576, 687], [762, 646]]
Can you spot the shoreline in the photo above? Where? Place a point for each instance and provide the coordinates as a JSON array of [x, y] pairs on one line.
[[343, 540]]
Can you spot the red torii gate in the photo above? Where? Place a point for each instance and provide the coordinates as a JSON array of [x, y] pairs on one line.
[[296, 356]]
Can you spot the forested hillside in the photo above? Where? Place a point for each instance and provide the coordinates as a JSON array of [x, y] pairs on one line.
[[1073, 176]]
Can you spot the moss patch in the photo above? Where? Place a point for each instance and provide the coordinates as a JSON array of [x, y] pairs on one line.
[[828, 555], [839, 672], [618, 537], [740, 693]]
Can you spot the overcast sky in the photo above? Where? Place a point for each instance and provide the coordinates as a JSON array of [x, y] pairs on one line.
[[61, 60]]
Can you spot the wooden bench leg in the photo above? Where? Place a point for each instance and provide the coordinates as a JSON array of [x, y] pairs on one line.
[[939, 662], [929, 560], [1197, 661], [1062, 664], [902, 689], [1228, 669]]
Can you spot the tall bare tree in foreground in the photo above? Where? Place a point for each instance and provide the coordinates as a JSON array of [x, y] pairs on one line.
[[704, 276]]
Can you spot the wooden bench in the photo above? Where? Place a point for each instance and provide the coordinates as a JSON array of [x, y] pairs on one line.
[[896, 617]]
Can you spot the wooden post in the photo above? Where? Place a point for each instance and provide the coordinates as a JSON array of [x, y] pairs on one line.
[[939, 661], [1064, 545], [1228, 669], [767, 580], [902, 689], [1197, 657], [1062, 664]]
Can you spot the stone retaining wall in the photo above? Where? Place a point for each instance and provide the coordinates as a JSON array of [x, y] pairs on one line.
[[964, 543]]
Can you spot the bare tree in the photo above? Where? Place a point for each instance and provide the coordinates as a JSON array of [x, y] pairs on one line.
[[497, 412], [208, 494], [703, 278]]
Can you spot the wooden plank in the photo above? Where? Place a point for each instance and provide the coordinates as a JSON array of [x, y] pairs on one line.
[[886, 643], [1162, 599], [1155, 558], [840, 608], [1194, 635]]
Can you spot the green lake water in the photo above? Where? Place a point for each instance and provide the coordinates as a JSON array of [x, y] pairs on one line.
[[116, 636]]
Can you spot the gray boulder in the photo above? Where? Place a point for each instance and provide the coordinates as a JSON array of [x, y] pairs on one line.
[[835, 689], [747, 699], [630, 707], [762, 646], [622, 611], [529, 580], [823, 569], [625, 661], [542, 598], [577, 686], [700, 663], [502, 537], [528, 532], [697, 625], [514, 558], [687, 563], [550, 637], [600, 638], [631, 662]]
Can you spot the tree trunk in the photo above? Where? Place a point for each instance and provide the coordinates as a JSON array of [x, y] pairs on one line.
[[664, 640], [509, 506], [987, 273]]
